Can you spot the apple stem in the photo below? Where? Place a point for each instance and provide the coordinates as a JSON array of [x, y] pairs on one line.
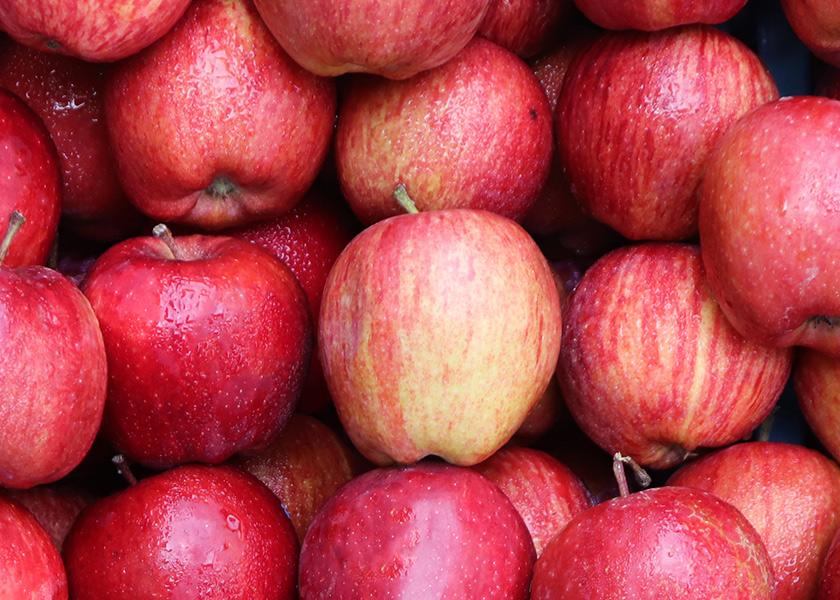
[[124, 469], [163, 233], [620, 476], [16, 221], [401, 194]]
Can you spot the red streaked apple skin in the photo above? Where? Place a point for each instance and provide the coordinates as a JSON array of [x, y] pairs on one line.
[[55, 507], [217, 100], [649, 365], [653, 15], [525, 27], [473, 133], [669, 542], [396, 40], [789, 494], [816, 380], [817, 23], [829, 586], [206, 354], [439, 333], [770, 221], [545, 493], [636, 123], [425, 531]]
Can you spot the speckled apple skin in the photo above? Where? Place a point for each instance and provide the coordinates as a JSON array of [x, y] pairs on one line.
[[525, 27], [439, 333], [670, 542], [424, 531], [816, 380], [789, 494], [649, 365], [829, 585], [817, 23], [770, 221], [55, 507], [206, 355], [196, 532], [217, 96], [396, 40], [653, 15], [474, 133], [636, 123]]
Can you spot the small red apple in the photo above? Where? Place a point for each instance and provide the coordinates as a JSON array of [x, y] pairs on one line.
[[829, 585], [816, 379], [55, 507], [525, 27], [817, 23], [652, 15]]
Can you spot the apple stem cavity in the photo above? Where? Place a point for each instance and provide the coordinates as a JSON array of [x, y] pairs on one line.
[[404, 200], [163, 233], [16, 221], [639, 474], [124, 469]]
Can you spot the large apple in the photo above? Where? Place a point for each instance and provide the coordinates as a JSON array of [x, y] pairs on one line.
[[649, 365], [817, 23], [439, 333], [474, 133], [770, 221], [208, 340], [526, 27], [816, 379], [394, 39], [424, 531], [215, 125], [635, 124], [790, 494], [212, 533], [55, 507], [652, 15]]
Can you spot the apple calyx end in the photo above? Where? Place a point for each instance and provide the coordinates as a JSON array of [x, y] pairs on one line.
[[16, 221], [404, 200], [221, 187], [824, 321], [124, 469]]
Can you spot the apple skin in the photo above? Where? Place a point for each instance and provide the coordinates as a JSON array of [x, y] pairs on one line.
[[829, 586], [653, 15], [55, 507], [817, 23], [208, 533], [671, 542], [303, 466], [215, 126], [525, 27], [30, 566], [649, 365], [816, 380], [545, 493], [30, 181], [789, 494], [439, 332], [396, 40], [769, 224], [207, 348], [635, 123], [424, 531], [474, 133]]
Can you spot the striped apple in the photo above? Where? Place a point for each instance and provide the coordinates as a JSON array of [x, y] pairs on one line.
[[816, 380], [652, 15]]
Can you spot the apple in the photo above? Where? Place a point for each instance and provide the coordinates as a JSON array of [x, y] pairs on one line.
[[828, 82], [525, 27], [829, 586], [473, 133], [635, 124], [769, 224], [669, 542], [816, 380], [817, 23], [30, 566], [55, 507], [30, 182], [208, 340], [192, 532], [653, 15], [214, 125], [649, 365], [425, 531], [303, 466], [394, 39], [790, 494], [439, 332], [67, 94], [545, 492]]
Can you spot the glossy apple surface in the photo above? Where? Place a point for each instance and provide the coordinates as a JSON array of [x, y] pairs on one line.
[[55, 507], [525, 27], [817, 23], [652, 15], [816, 379]]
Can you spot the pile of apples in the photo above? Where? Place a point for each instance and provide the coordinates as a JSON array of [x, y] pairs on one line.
[[379, 298]]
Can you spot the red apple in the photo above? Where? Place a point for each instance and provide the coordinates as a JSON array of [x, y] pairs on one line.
[[30, 566], [817, 23], [816, 379], [770, 221], [674, 543], [652, 15], [215, 125], [829, 585], [394, 39], [526, 27], [828, 82], [425, 531], [649, 365], [55, 507], [212, 533], [439, 333], [67, 94], [208, 339], [789, 494], [30, 181], [545, 492], [474, 133], [635, 123], [303, 466]]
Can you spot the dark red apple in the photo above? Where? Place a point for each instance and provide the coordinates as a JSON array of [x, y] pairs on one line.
[[790, 494], [817, 23], [55, 507], [649, 365], [474, 133], [829, 586], [671, 542], [652, 15], [636, 123], [215, 126], [816, 379], [525, 27], [209, 533], [770, 221], [425, 531], [208, 341]]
